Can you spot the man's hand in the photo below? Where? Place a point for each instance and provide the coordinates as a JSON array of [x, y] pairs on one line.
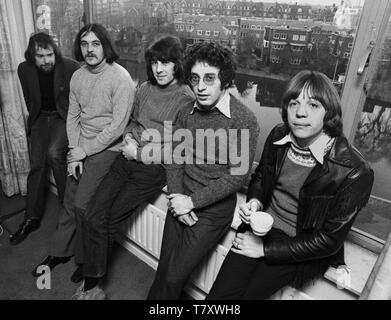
[[180, 204], [245, 210], [128, 138], [248, 244], [76, 154], [189, 219], [129, 150], [75, 169]]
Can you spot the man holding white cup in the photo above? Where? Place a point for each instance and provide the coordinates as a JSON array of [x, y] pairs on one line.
[[312, 182]]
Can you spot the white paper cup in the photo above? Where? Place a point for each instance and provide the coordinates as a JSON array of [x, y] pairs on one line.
[[261, 223]]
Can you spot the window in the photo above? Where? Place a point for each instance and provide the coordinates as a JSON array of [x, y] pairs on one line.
[[62, 21], [278, 46], [207, 33], [216, 33], [295, 60], [297, 48], [276, 70], [189, 28]]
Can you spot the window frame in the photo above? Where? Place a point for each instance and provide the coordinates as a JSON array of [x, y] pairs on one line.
[[353, 97], [375, 17]]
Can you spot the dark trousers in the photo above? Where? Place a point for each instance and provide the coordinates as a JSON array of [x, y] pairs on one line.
[[78, 194], [184, 248], [244, 278], [128, 186], [48, 149]]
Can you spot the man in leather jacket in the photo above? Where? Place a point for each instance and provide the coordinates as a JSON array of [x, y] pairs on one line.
[[313, 182]]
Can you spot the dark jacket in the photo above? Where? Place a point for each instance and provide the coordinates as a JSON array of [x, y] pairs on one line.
[[329, 201], [28, 76]]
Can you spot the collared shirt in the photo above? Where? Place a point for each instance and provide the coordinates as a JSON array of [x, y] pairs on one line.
[[223, 105], [318, 148]]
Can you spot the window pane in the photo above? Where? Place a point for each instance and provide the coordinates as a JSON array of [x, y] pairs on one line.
[[60, 18], [373, 139], [272, 43]]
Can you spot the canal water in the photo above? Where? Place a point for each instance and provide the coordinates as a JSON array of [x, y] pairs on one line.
[[262, 94]]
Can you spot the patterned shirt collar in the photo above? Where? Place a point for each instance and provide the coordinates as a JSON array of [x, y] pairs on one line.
[[318, 148], [223, 105]]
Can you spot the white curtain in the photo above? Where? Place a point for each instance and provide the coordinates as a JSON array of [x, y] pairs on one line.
[[14, 160]]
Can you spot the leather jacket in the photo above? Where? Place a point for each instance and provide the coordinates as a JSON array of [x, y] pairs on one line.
[[329, 201]]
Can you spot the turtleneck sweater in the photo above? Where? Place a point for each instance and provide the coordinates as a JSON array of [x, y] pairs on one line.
[[100, 104]]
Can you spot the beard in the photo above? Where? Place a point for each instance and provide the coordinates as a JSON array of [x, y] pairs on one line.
[[47, 68]]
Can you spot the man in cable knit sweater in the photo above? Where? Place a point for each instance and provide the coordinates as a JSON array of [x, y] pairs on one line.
[[202, 191], [100, 102]]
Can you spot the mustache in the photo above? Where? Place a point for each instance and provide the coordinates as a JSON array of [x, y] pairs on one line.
[[90, 55]]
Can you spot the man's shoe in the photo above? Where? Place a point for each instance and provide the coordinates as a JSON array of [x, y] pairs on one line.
[[96, 293], [50, 262], [24, 230], [77, 276]]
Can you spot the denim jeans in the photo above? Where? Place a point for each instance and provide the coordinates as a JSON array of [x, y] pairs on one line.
[[48, 149], [78, 195], [184, 248], [129, 185]]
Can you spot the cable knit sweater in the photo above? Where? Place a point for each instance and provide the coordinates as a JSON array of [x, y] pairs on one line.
[[100, 104]]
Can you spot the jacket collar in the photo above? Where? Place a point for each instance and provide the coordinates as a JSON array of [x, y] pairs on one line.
[[340, 154], [318, 148]]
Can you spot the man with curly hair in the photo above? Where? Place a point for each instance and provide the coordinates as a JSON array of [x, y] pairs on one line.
[[202, 189]]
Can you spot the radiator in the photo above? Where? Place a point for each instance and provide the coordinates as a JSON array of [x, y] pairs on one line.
[[142, 235]]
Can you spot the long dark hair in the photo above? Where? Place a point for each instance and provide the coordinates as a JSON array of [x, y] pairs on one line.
[[44, 41], [166, 48], [103, 36], [321, 89]]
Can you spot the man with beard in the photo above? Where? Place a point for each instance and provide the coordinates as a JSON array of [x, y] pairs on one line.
[[100, 103], [45, 78]]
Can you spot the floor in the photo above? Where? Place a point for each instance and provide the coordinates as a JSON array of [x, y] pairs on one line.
[[128, 278]]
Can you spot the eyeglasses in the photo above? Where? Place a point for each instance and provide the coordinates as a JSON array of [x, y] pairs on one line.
[[209, 79]]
